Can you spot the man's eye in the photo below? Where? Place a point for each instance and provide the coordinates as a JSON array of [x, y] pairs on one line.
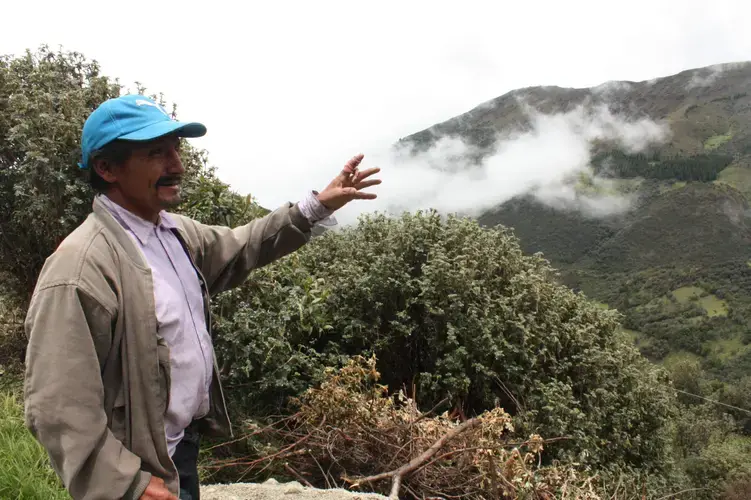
[[155, 152]]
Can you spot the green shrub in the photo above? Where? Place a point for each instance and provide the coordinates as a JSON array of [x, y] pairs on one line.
[[720, 464], [453, 312], [45, 97]]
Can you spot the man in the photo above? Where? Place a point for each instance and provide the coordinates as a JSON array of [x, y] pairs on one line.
[[121, 375]]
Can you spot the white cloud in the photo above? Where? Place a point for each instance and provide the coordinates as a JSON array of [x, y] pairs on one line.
[[544, 162]]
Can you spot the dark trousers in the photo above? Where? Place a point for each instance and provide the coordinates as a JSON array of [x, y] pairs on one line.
[[186, 461]]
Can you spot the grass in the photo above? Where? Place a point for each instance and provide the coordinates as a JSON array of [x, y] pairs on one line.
[[25, 473], [587, 185], [725, 349], [711, 304], [716, 141], [687, 293], [672, 186], [737, 175], [678, 356], [662, 303]]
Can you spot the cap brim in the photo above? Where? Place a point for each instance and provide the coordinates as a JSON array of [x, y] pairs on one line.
[[159, 129]]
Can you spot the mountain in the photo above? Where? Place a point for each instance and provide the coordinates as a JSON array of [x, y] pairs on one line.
[[677, 264], [707, 109]]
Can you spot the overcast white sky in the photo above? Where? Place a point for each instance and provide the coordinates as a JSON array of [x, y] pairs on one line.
[[290, 90]]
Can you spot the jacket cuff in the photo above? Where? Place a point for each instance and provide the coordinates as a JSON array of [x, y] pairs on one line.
[[316, 213], [138, 486]]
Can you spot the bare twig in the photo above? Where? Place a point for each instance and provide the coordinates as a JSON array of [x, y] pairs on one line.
[[325, 475], [408, 468], [251, 463], [430, 412], [509, 393], [297, 475], [272, 456], [244, 436]]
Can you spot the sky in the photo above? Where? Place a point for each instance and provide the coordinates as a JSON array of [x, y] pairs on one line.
[[289, 91]]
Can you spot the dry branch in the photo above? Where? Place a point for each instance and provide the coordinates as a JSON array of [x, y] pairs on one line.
[[398, 474], [350, 429], [297, 475]]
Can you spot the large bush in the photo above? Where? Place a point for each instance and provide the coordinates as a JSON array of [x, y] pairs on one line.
[[453, 312], [45, 97]]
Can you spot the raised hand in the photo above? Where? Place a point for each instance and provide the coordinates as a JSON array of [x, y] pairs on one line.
[[347, 186]]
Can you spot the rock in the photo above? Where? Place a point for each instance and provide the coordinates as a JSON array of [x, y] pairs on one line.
[[293, 488], [274, 490]]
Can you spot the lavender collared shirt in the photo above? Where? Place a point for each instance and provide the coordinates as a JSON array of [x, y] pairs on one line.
[[180, 312]]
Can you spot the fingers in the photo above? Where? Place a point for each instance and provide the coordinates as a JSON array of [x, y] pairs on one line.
[[157, 490], [353, 194], [360, 195], [351, 166], [367, 184], [360, 175]]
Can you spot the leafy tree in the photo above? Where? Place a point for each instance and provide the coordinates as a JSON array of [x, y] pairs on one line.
[[44, 100], [719, 463], [739, 395], [45, 97], [704, 167]]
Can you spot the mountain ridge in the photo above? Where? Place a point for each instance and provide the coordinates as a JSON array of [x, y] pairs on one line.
[[659, 98], [688, 228]]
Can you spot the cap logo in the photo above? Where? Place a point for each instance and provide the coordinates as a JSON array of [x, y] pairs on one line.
[[142, 102]]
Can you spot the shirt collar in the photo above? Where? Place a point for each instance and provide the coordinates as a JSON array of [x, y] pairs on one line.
[[141, 228]]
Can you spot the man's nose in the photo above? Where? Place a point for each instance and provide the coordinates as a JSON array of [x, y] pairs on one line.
[[175, 163]]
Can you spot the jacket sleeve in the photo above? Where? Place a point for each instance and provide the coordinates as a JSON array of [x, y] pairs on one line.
[[64, 395], [228, 255]]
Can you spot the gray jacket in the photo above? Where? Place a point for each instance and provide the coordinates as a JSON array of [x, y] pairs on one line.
[[97, 378]]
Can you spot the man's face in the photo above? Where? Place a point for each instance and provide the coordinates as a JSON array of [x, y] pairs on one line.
[[149, 181]]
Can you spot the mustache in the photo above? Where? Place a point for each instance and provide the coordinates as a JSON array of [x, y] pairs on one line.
[[169, 180]]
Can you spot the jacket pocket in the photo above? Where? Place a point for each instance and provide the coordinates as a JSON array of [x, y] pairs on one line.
[[165, 378]]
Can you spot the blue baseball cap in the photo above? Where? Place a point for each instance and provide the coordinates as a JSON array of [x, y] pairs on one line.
[[131, 118]]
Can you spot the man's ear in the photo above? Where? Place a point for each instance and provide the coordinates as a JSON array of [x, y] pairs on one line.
[[105, 169]]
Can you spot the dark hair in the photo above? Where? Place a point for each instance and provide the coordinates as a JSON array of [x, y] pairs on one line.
[[116, 152]]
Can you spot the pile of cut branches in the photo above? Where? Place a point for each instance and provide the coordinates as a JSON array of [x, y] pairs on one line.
[[350, 432]]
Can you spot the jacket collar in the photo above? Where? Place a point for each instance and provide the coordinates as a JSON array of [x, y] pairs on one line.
[[112, 226], [102, 214], [142, 229]]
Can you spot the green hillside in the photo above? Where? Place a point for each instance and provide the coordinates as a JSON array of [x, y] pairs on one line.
[[677, 264], [689, 229]]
